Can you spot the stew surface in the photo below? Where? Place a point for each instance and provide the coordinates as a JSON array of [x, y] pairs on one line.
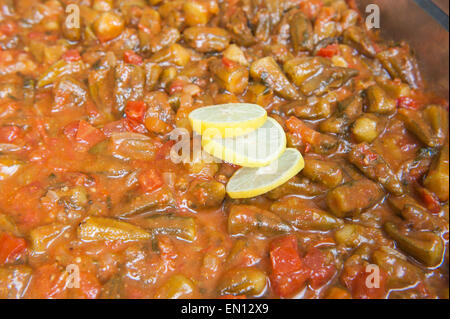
[[89, 194]]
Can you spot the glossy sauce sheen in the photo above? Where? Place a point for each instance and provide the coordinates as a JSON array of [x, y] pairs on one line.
[[86, 179]]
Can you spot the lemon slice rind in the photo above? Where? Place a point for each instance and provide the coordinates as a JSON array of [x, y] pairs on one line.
[[251, 182], [228, 120], [247, 150]]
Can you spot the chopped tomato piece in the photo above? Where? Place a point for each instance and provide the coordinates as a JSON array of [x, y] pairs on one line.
[[311, 8], [135, 110], [150, 180], [369, 155], [363, 288], [48, 281], [428, 198], [132, 58], [89, 286], [329, 51], [228, 63], [84, 135], [164, 151], [70, 131], [407, 103], [284, 255], [8, 28], [89, 135], [177, 85], [135, 126], [320, 271], [11, 247], [9, 133], [71, 56], [288, 274]]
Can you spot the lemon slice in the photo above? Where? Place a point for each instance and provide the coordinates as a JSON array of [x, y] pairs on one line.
[[256, 149], [227, 120], [251, 182]]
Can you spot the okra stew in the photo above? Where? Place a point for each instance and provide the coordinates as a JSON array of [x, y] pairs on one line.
[[90, 91]]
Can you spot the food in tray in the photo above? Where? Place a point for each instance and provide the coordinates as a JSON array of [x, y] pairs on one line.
[[322, 160]]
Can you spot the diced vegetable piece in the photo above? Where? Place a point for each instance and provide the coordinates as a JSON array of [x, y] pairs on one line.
[[366, 128], [58, 70], [401, 64], [232, 77], [175, 54], [314, 108], [150, 180], [160, 116], [316, 75], [399, 202], [14, 281], [87, 136], [327, 173], [243, 281], [351, 235], [304, 214], [415, 214], [246, 219], [108, 229], [348, 110], [330, 51], [152, 74], [375, 167], [206, 194], [437, 116], [207, 39], [320, 143], [238, 26], [437, 179], [298, 186], [129, 84], [235, 54], [43, 237], [395, 88], [176, 287], [288, 273], [426, 247], [351, 198], [302, 35], [379, 101], [131, 57], [428, 198], [11, 248], [400, 272], [430, 126], [361, 290], [132, 146], [358, 38], [360, 237], [68, 92], [258, 93], [196, 12], [269, 72], [108, 26], [184, 228], [135, 110], [160, 200], [202, 169]]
